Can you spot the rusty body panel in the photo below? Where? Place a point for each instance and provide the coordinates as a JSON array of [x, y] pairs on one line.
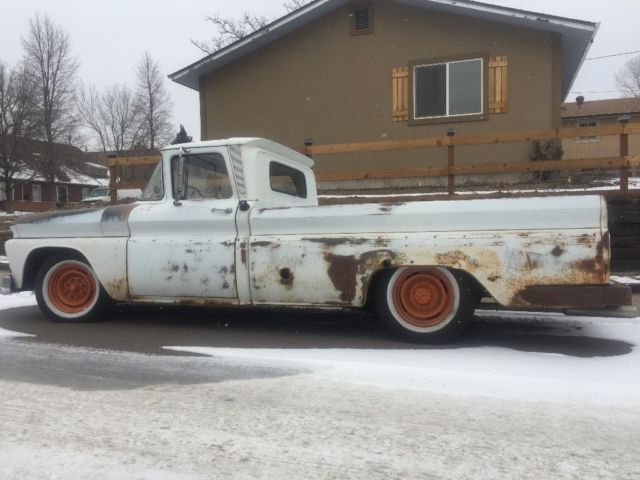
[[508, 246], [338, 270]]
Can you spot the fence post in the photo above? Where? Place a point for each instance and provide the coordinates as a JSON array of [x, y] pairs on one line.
[[308, 142], [451, 182], [113, 186], [624, 152]]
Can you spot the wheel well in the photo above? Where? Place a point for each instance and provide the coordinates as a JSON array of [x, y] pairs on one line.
[[379, 276], [38, 257]]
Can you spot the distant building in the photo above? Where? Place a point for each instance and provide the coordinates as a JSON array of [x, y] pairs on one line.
[[32, 192], [599, 113]]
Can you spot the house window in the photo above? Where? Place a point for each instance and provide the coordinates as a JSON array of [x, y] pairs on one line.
[[287, 180], [62, 195], [362, 20], [85, 192], [36, 192], [448, 89], [588, 138]]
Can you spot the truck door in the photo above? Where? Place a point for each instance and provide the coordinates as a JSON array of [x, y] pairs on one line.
[[184, 246]]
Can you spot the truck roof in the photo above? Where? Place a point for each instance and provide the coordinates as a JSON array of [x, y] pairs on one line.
[[259, 143]]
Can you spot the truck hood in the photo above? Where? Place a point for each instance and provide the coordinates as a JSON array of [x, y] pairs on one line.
[[87, 223]]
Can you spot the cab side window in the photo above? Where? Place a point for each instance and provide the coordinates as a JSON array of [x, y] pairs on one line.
[[204, 177]]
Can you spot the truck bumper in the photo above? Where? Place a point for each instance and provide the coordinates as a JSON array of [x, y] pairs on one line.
[[7, 286], [579, 297]]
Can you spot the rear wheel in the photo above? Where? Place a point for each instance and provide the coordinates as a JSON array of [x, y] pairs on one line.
[[68, 290], [426, 305]]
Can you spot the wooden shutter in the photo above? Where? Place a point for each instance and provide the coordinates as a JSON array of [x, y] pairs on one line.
[[400, 85], [498, 85]]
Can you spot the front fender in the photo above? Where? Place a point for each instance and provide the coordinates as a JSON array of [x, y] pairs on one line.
[[107, 257]]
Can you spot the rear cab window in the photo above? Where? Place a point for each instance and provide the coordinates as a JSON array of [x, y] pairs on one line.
[[287, 180]]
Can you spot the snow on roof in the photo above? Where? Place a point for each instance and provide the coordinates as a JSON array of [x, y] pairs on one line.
[[73, 177], [97, 165], [576, 35]]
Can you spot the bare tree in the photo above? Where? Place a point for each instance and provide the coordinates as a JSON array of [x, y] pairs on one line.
[[292, 5], [154, 103], [113, 116], [52, 68], [628, 78], [230, 30], [17, 126]]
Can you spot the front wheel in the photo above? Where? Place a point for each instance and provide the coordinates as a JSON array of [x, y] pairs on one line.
[[68, 290], [425, 305]]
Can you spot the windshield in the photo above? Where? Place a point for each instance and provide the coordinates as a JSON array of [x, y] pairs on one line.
[[99, 192], [154, 189]]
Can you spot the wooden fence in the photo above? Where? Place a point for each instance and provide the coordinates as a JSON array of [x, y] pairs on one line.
[[623, 163]]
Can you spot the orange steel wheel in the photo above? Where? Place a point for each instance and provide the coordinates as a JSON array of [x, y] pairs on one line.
[[423, 298], [72, 288]]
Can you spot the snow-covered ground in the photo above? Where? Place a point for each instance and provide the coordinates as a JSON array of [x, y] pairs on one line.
[[4, 260], [16, 300], [502, 373], [461, 411], [634, 183]]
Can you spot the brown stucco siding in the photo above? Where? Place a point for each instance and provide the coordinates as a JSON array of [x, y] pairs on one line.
[[324, 84]]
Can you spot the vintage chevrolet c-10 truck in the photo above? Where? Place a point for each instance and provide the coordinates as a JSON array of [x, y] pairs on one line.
[[237, 222]]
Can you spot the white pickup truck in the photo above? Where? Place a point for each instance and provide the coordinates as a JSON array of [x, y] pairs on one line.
[[237, 222]]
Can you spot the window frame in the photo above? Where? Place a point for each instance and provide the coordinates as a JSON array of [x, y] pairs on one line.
[[58, 187], [466, 117], [34, 187], [288, 167], [174, 158]]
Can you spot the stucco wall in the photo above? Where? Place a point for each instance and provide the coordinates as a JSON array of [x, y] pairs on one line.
[[322, 83]]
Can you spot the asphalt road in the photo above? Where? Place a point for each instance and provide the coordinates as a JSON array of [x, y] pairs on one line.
[[148, 329]]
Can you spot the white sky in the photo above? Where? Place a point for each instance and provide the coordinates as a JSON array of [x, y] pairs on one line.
[[109, 37]]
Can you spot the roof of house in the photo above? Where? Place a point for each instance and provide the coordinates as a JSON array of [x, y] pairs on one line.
[[602, 108], [576, 35], [67, 176]]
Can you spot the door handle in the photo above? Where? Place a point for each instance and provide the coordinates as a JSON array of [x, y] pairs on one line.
[[226, 211]]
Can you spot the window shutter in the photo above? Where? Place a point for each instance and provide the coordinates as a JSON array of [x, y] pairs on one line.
[[400, 85], [498, 85]]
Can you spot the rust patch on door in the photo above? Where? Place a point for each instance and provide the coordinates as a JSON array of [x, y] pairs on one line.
[[342, 272]]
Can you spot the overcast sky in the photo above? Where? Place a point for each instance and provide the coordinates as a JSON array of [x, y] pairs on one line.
[[110, 37]]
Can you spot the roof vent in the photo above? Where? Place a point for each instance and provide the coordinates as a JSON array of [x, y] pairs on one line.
[[362, 20], [580, 100]]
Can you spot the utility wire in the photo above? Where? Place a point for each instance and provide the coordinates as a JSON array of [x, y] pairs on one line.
[[613, 55]]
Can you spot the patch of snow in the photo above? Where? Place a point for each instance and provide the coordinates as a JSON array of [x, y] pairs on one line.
[[626, 280], [486, 371], [11, 334], [4, 260], [17, 300], [634, 183], [14, 214]]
